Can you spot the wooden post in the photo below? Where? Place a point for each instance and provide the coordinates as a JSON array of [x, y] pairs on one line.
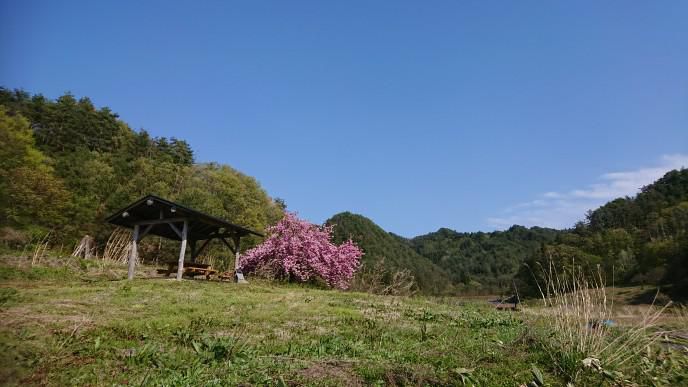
[[182, 251], [238, 275], [133, 254], [237, 249]]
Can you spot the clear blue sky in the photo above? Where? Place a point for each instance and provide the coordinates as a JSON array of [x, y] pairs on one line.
[[463, 114]]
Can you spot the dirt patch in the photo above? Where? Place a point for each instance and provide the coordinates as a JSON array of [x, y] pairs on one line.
[[338, 372], [24, 316], [384, 315], [415, 375]]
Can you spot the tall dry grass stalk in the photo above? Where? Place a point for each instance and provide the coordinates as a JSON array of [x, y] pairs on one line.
[[118, 246], [579, 317], [216, 262], [40, 249], [207, 259], [379, 280]]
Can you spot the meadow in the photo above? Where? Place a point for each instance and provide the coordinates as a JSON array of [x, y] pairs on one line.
[[68, 321]]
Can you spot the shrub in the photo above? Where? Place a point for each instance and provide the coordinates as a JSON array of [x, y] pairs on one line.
[[379, 280], [13, 238], [298, 250]]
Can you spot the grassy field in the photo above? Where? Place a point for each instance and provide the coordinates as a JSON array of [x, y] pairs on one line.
[[83, 325]]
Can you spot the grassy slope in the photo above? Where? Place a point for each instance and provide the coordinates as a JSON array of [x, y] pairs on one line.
[[62, 328]]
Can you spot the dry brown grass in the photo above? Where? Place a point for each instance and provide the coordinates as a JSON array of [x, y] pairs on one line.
[[40, 249], [118, 246], [378, 280], [580, 317]]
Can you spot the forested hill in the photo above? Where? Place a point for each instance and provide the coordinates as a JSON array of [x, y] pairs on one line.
[[379, 245], [446, 260], [483, 260], [641, 239], [635, 240], [65, 165]]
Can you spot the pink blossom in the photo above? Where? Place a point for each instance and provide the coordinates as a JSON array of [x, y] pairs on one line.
[[299, 250]]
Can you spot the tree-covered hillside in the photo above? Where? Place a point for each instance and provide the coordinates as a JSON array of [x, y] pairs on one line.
[[377, 245], [638, 240], [483, 260], [65, 165], [446, 260]]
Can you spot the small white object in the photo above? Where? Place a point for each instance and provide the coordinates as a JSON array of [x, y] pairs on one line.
[[239, 277], [149, 202]]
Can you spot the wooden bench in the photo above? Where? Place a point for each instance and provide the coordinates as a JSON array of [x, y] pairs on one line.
[[506, 306], [191, 269]]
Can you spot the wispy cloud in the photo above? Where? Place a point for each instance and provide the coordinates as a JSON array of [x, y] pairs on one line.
[[562, 209]]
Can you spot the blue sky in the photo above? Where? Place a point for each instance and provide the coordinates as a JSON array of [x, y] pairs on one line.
[[471, 115]]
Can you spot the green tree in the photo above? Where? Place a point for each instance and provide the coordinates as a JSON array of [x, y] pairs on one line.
[[29, 192]]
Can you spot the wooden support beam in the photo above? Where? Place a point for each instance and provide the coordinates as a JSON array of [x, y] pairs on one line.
[[203, 246], [227, 235], [160, 221], [230, 247], [145, 232], [133, 254], [176, 230], [182, 251]]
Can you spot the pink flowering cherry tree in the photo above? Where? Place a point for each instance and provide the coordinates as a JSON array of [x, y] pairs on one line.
[[298, 250]]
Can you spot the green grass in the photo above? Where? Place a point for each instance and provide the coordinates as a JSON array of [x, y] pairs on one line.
[[78, 327]]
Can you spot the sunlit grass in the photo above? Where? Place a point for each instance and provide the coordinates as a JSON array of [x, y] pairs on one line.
[[79, 323]]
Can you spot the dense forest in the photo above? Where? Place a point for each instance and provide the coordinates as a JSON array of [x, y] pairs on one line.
[[483, 261], [65, 165]]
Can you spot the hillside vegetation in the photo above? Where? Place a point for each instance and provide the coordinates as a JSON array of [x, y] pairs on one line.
[[483, 261], [65, 165], [634, 240]]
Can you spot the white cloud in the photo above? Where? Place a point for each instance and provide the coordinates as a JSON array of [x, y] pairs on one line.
[[563, 209]]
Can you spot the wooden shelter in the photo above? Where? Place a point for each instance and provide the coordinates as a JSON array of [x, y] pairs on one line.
[[152, 215]]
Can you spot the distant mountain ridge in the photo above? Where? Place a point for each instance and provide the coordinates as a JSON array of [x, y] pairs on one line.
[[643, 239], [445, 259], [483, 260]]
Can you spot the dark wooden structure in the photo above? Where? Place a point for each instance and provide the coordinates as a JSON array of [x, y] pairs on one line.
[[191, 268], [506, 303], [152, 215]]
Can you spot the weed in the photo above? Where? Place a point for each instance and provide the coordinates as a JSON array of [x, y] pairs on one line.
[[464, 376], [8, 296], [218, 349]]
